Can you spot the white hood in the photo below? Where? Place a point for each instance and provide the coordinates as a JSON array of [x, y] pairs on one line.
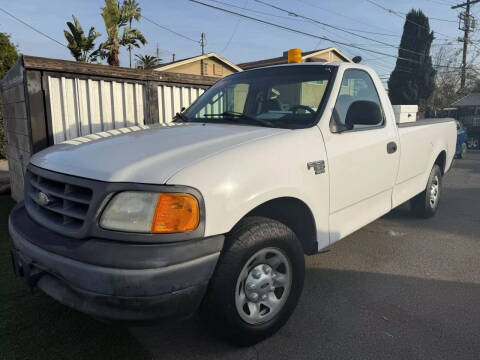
[[150, 154]]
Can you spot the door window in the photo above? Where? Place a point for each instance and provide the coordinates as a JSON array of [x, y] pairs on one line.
[[358, 89]]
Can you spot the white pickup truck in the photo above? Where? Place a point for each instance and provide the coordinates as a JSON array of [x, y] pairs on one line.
[[216, 211]]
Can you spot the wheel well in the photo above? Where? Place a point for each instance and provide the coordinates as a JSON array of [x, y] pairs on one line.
[[295, 214], [441, 161]]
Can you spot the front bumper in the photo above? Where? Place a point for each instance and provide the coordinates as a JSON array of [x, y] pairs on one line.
[[113, 280]]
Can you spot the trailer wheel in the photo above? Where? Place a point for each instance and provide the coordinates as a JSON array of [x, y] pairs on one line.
[[426, 203], [257, 282]]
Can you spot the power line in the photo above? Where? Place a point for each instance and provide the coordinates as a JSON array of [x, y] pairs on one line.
[[253, 10], [234, 30], [298, 31], [291, 13], [372, 32], [169, 30], [375, 59], [294, 19], [440, 2], [445, 2], [437, 19], [34, 29], [397, 13], [347, 17], [298, 19]]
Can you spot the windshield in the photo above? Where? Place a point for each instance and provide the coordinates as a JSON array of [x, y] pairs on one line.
[[288, 96]]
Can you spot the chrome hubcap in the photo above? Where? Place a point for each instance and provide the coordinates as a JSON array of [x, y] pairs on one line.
[[434, 192], [263, 286]]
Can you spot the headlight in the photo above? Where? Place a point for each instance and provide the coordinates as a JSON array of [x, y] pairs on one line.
[[151, 212]]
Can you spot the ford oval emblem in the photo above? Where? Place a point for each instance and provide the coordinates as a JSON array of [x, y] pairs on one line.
[[43, 199]]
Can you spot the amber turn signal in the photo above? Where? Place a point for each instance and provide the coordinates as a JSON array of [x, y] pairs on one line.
[[175, 213]]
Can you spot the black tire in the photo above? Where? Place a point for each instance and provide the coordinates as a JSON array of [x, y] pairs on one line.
[[251, 235], [424, 204]]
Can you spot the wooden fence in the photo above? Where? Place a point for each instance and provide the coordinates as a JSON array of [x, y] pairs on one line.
[[47, 101]]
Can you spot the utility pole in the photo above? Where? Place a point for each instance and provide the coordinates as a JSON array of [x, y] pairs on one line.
[[467, 23], [157, 53], [202, 42]]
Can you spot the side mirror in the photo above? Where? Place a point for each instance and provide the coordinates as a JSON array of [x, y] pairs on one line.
[[362, 112], [337, 127]]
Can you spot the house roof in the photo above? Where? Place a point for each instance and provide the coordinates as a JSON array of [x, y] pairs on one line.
[[170, 65], [284, 59], [472, 99]]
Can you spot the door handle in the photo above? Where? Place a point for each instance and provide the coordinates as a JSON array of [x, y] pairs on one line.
[[391, 147]]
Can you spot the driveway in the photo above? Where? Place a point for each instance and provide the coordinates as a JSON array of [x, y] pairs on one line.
[[400, 288]]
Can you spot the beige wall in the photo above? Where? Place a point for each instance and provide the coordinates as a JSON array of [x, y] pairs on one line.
[[212, 67], [329, 56]]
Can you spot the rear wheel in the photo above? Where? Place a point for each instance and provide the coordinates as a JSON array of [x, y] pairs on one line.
[[257, 282], [426, 203]]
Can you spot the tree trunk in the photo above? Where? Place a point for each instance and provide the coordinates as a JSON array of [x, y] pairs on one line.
[[130, 46], [130, 55], [113, 57]]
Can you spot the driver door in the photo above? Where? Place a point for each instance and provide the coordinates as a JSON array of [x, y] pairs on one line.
[[362, 171]]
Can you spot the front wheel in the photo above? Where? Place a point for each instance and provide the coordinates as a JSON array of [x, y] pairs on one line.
[[426, 203], [257, 282]]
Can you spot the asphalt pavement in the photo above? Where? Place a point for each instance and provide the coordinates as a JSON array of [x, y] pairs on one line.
[[400, 288]]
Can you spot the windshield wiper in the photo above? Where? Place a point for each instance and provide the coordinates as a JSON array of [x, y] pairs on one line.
[[182, 117], [240, 115]]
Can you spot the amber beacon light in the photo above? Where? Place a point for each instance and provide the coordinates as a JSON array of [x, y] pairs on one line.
[[175, 213], [294, 56]]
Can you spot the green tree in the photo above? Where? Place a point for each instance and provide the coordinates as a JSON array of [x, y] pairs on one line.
[[131, 10], [8, 56], [81, 47], [413, 79], [115, 19], [147, 61]]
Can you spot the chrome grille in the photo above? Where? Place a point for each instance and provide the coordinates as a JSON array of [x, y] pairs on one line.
[[57, 203]]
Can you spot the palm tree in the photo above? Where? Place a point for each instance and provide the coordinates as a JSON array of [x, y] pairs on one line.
[[115, 19], [81, 46], [131, 10], [147, 61]]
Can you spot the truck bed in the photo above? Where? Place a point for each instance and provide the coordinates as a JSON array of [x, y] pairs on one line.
[[418, 141]]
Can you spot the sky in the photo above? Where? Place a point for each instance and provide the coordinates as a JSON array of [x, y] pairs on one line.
[[234, 38]]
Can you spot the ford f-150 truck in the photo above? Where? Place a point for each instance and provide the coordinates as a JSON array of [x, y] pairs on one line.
[[216, 211]]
